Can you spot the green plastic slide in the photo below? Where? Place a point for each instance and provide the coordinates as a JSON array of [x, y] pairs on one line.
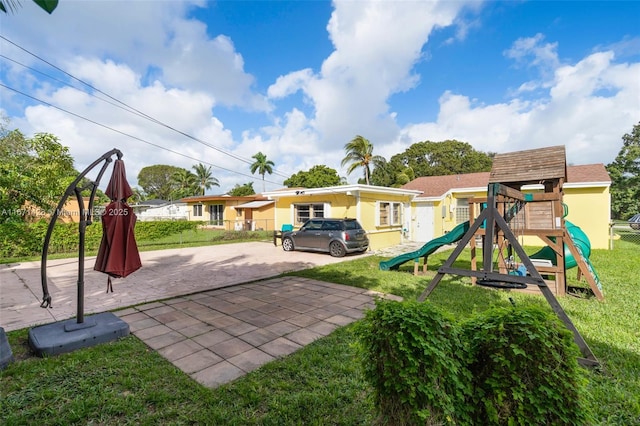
[[449, 238], [579, 238]]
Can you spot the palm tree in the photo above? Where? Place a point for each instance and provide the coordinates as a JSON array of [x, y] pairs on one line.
[[262, 165], [360, 154], [185, 184], [12, 5], [204, 177]]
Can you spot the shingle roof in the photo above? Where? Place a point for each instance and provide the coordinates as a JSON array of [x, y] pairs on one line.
[[588, 173], [436, 186]]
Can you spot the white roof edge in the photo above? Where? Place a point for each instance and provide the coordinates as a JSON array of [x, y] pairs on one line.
[[586, 184], [427, 199], [469, 189], [341, 189]]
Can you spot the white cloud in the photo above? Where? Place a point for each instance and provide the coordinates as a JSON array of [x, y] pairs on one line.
[[376, 45], [290, 83], [575, 114], [172, 68]]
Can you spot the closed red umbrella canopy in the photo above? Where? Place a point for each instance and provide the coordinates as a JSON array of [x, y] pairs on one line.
[[118, 253]]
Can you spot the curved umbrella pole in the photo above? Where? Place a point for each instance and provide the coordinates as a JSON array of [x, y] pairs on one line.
[[85, 219]]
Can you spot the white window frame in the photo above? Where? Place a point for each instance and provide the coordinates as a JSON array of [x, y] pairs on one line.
[[393, 210], [462, 210], [313, 213], [197, 210]]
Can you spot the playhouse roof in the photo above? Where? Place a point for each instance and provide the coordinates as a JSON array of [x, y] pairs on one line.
[[530, 166]]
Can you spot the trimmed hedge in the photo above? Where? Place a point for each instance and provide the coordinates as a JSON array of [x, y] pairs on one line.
[[26, 239], [507, 366]]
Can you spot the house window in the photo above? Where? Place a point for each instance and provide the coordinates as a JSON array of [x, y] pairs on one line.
[[304, 212], [462, 210], [197, 210], [215, 214], [389, 214]]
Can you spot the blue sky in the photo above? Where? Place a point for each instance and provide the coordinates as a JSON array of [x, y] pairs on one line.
[[298, 80]]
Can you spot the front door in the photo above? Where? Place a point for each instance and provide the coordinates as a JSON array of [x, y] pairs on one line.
[[215, 214], [423, 224]]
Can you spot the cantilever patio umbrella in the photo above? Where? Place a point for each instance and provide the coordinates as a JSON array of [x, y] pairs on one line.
[[118, 257], [118, 253]]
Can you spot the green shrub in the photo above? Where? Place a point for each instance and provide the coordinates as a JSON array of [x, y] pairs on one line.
[[506, 366], [241, 235], [19, 239], [15, 240], [158, 229], [525, 369], [410, 354]]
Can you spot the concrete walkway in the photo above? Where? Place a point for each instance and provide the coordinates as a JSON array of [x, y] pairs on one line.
[[215, 312]]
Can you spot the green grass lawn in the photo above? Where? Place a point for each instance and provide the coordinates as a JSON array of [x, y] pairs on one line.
[[126, 383]]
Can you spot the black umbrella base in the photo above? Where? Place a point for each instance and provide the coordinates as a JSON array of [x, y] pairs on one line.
[[6, 356], [67, 336]]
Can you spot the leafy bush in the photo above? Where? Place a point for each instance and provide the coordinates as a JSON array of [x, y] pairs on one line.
[[525, 369], [158, 229], [507, 366], [241, 235], [410, 353], [16, 240], [19, 239]]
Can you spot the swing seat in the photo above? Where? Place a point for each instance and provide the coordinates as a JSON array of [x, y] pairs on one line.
[[501, 284]]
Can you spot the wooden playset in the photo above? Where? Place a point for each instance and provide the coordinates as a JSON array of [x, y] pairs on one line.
[[507, 216]]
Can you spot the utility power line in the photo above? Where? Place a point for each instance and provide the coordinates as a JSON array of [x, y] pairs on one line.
[[121, 105]]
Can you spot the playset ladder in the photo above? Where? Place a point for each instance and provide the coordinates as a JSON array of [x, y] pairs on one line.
[[586, 269]]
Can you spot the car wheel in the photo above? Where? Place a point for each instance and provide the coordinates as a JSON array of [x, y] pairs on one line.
[[287, 244], [336, 249]]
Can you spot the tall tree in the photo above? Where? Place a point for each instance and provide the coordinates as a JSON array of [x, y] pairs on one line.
[[432, 159], [137, 196], [360, 154], [186, 184], [625, 176], [405, 176], [157, 181], [205, 178], [34, 173], [262, 166], [385, 174], [317, 177], [242, 190]]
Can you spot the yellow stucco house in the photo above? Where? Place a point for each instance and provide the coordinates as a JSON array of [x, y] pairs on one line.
[[380, 210], [443, 202], [421, 210], [249, 213]]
